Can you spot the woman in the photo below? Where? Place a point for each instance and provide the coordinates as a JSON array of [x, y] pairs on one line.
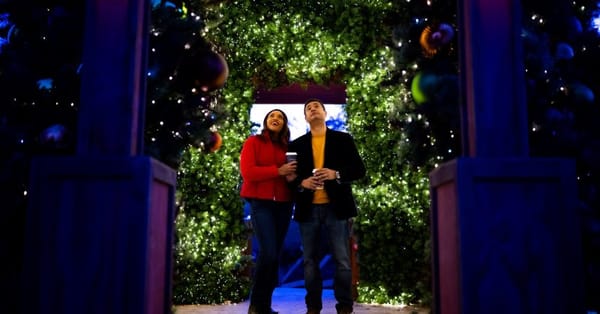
[[265, 174]]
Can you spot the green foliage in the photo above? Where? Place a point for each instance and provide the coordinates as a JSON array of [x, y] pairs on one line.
[[306, 42], [394, 247], [208, 269], [373, 48], [210, 266], [323, 42]]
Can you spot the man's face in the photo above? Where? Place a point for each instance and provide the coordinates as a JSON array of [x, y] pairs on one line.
[[314, 111]]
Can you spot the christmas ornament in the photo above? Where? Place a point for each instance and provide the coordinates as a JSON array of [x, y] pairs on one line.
[[214, 142], [44, 84], [54, 133], [54, 137], [564, 52], [582, 94], [554, 116], [574, 26], [417, 94], [433, 38], [205, 70], [423, 87]]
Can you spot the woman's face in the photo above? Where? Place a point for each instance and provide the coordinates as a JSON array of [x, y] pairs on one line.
[[275, 121]]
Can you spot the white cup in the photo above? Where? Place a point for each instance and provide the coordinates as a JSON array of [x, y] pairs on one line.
[[319, 187], [291, 156]]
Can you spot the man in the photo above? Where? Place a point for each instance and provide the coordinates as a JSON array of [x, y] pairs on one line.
[[327, 162]]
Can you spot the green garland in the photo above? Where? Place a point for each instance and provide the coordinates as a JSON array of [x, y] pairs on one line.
[[323, 42]]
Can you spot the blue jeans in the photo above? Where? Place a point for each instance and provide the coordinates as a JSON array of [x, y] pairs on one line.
[[338, 235], [270, 222]]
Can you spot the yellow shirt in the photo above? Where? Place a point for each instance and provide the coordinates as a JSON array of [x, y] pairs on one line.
[[318, 148]]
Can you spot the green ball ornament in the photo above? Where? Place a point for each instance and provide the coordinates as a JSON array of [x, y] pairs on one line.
[[424, 86], [415, 88]]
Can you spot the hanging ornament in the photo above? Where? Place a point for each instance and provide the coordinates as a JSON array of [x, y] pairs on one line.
[[554, 116], [45, 84], [14, 35], [433, 38], [415, 89], [54, 137], [423, 87], [205, 70], [581, 93], [215, 140], [564, 51], [53, 134], [574, 27]]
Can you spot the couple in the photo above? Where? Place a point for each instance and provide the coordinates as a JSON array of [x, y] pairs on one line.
[[272, 185]]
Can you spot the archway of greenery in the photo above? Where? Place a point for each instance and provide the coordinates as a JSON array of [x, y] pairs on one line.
[[376, 48], [275, 44]]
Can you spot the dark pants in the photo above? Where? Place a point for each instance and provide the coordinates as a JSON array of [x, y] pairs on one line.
[[338, 234], [270, 222]]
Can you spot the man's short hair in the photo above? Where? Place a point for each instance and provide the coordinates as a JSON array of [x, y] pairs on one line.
[[313, 100]]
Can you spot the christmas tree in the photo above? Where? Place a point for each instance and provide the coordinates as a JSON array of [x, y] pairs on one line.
[[40, 64], [560, 41], [40, 71]]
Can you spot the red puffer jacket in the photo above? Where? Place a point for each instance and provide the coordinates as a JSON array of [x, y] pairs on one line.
[[259, 161]]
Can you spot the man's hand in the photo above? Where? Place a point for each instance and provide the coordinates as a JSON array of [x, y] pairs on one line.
[[325, 174]]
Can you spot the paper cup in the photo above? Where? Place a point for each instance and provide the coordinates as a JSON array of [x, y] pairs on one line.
[[291, 156]]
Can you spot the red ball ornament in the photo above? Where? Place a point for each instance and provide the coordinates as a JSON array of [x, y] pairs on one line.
[[214, 142]]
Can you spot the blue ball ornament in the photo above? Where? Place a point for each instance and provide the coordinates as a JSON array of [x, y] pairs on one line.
[[582, 94], [564, 51]]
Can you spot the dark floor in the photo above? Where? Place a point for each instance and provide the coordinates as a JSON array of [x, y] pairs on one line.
[[291, 301]]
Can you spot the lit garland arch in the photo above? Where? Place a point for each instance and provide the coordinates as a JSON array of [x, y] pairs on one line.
[[343, 42]]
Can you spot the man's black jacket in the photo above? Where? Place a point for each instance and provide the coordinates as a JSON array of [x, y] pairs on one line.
[[340, 155]]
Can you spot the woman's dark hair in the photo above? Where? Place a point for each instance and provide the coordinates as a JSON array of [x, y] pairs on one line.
[[283, 137]]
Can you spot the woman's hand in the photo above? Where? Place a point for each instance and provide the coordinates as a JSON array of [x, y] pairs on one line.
[[288, 169], [291, 177]]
